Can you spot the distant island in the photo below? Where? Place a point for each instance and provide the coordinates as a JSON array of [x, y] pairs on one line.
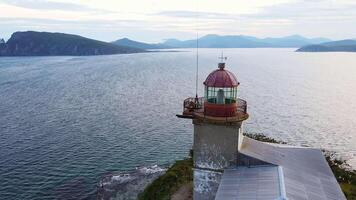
[[336, 46], [131, 43], [228, 41], [31, 43]]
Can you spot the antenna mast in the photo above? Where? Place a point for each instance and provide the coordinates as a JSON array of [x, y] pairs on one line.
[[222, 58], [197, 55]]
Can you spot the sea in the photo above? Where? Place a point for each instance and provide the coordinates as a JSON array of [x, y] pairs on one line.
[[71, 125]]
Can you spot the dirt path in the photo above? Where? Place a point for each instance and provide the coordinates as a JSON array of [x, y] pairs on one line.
[[184, 193]]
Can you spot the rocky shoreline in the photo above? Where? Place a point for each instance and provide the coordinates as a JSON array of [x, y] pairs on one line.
[[177, 184]]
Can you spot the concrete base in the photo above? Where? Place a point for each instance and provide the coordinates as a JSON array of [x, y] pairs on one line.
[[206, 184], [215, 146]]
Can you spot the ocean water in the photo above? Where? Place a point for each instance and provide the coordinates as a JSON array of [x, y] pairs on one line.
[[67, 122]]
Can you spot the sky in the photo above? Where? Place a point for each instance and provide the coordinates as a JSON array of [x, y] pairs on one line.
[[157, 20]]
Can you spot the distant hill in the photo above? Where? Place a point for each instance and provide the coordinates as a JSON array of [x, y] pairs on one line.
[[2, 41], [243, 41], [216, 41], [228, 41], [294, 41], [341, 46], [141, 45], [31, 43]]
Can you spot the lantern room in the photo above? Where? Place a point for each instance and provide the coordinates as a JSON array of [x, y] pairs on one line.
[[221, 86], [220, 102], [221, 93]]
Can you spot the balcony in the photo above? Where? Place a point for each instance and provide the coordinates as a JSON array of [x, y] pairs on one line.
[[198, 108]]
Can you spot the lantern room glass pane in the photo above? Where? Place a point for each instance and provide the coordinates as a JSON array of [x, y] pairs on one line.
[[221, 95]]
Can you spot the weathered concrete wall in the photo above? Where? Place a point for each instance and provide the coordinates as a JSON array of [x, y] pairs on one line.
[[241, 136], [206, 184], [215, 146]]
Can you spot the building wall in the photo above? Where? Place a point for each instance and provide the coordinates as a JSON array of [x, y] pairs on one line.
[[206, 184], [215, 148], [241, 136]]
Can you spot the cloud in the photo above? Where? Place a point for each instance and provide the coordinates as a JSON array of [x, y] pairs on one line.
[[201, 15], [313, 18], [50, 5], [309, 11], [100, 29]]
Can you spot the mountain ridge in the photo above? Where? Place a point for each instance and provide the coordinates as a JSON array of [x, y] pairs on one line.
[[245, 41], [232, 41], [334, 46], [132, 43], [32, 43]]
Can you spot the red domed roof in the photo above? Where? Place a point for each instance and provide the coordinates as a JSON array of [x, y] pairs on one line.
[[221, 78]]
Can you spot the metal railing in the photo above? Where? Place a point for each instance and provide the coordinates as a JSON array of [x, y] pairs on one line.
[[241, 106], [193, 103], [190, 104]]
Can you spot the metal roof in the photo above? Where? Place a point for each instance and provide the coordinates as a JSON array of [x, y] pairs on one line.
[[251, 183], [221, 78], [306, 174]]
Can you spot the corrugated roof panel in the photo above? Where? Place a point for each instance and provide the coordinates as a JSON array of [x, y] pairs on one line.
[[252, 183], [306, 173]]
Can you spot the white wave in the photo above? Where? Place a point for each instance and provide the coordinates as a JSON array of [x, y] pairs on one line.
[[127, 185], [122, 178], [151, 170]]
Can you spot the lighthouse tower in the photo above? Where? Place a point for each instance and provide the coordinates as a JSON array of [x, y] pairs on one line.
[[217, 119]]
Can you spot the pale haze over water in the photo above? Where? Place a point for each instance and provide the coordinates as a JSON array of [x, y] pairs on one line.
[[67, 121]]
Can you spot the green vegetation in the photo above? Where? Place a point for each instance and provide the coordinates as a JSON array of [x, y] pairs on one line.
[[349, 191], [344, 175], [263, 138], [179, 174], [31, 43]]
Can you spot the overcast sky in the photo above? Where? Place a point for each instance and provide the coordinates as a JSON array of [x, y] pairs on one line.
[[156, 20]]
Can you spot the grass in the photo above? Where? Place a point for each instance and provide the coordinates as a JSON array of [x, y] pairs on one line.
[[349, 191], [344, 175], [262, 138], [181, 173]]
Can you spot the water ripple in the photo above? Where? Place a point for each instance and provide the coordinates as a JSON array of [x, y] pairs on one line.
[[65, 122]]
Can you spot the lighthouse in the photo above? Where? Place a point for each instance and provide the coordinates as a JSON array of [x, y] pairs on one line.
[[230, 166], [218, 121]]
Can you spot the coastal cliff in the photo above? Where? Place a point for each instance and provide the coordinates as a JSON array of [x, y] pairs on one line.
[[31, 43]]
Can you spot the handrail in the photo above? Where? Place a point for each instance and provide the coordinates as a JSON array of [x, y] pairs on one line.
[[193, 103], [241, 105]]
